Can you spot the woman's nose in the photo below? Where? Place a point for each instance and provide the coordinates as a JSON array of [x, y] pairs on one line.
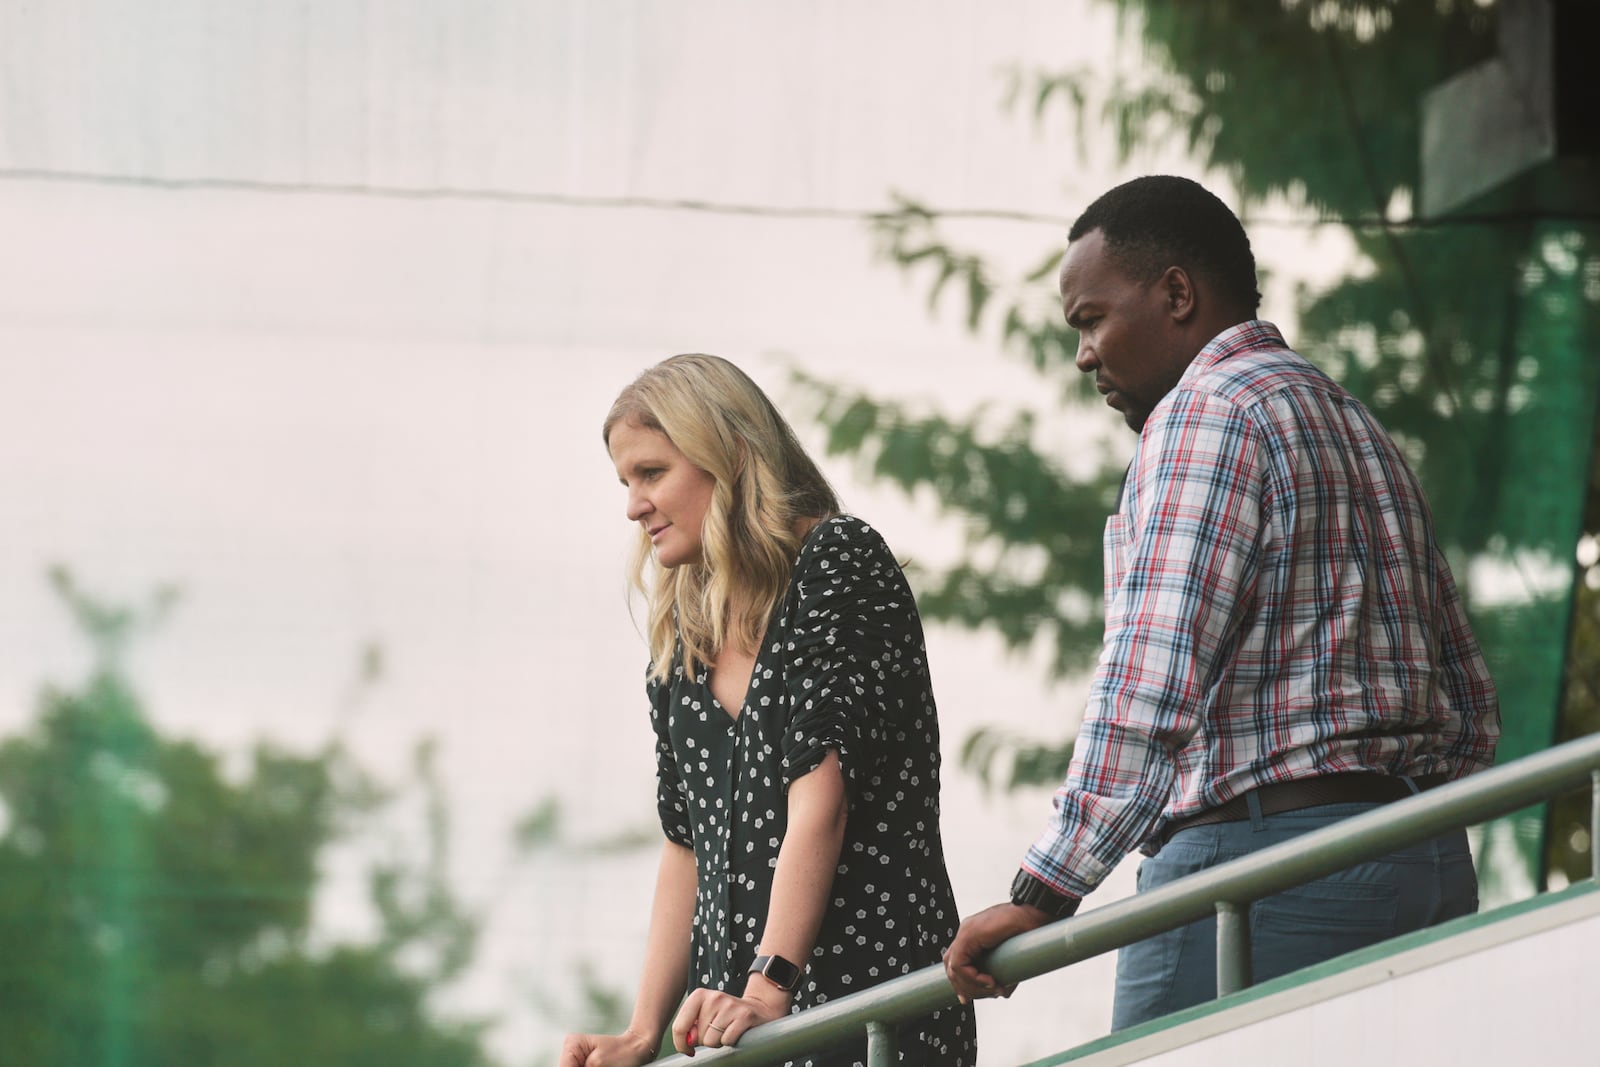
[[638, 506]]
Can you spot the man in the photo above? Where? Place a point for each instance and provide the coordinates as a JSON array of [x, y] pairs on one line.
[[1284, 644]]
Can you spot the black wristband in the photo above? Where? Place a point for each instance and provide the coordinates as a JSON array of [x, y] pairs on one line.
[[1026, 889]]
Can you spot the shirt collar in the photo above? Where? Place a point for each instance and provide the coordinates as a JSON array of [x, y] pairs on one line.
[[1252, 335]]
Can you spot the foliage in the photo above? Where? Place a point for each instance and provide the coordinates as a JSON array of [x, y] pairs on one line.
[[154, 910], [1044, 524], [1463, 337]]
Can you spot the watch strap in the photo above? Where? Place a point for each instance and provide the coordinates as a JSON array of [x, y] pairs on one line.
[[777, 970], [1026, 889]]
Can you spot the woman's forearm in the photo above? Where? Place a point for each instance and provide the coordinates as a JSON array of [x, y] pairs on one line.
[[802, 883], [665, 973]]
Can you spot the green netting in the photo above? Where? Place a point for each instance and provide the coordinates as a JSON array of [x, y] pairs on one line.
[[1526, 511]]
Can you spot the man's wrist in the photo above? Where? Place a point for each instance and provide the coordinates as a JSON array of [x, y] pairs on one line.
[[1028, 891]]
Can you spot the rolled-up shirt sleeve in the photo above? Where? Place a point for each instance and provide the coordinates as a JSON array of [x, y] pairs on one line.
[[850, 622]]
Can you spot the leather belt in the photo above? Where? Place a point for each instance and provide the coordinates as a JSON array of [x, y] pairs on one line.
[[1356, 787]]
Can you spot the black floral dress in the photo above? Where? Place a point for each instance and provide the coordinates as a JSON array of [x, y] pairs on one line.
[[842, 666]]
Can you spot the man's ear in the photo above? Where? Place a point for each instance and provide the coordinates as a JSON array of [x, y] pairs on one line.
[[1180, 294]]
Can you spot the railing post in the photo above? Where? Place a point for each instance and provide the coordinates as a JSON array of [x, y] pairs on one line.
[[1233, 947], [881, 1051], [1594, 825]]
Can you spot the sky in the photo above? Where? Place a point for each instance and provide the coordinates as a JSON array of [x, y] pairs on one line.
[[313, 311]]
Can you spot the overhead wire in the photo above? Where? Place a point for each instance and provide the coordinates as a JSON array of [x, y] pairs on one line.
[[774, 211]]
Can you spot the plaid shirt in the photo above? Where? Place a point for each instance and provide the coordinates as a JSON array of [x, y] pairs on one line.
[[1276, 608]]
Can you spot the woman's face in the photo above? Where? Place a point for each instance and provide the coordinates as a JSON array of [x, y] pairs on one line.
[[667, 495]]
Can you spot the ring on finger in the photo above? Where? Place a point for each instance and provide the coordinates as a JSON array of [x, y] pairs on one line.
[[714, 1026]]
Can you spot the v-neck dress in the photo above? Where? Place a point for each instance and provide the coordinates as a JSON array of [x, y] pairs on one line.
[[842, 666]]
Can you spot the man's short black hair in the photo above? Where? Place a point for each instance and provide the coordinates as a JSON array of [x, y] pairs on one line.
[[1162, 221]]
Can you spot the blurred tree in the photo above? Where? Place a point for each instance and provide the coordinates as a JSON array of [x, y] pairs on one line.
[[582, 1001], [1467, 337], [155, 912]]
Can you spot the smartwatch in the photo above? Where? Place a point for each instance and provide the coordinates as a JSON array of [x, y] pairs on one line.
[[777, 970], [1026, 889]]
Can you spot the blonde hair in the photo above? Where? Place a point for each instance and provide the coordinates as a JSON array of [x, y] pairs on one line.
[[765, 485]]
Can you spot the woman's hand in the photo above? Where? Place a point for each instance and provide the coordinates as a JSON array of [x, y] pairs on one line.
[[714, 1019], [626, 1049]]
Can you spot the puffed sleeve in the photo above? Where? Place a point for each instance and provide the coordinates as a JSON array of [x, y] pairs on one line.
[[854, 638], [670, 802]]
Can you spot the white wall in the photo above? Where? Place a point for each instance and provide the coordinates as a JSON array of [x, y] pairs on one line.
[[232, 359]]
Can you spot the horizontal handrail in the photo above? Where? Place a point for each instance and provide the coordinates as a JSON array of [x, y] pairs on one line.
[[1368, 836]]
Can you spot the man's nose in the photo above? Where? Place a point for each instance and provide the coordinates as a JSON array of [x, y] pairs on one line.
[[1085, 359]]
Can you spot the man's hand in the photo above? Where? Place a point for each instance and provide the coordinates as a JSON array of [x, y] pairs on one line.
[[978, 935]]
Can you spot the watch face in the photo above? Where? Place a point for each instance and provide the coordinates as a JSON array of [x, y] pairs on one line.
[[779, 971], [783, 972]]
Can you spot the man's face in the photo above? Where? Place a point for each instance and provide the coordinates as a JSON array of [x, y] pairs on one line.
[[1126, 334]]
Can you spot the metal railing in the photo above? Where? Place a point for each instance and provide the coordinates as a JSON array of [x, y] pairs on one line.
[[1226, 890]]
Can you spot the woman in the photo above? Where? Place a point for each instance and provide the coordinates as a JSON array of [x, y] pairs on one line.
[[797, 741]]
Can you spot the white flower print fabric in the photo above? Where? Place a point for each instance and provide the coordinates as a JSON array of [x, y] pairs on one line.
[[842, 666]]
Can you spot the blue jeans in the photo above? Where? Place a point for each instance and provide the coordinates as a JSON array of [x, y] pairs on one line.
[[1404, 891]]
